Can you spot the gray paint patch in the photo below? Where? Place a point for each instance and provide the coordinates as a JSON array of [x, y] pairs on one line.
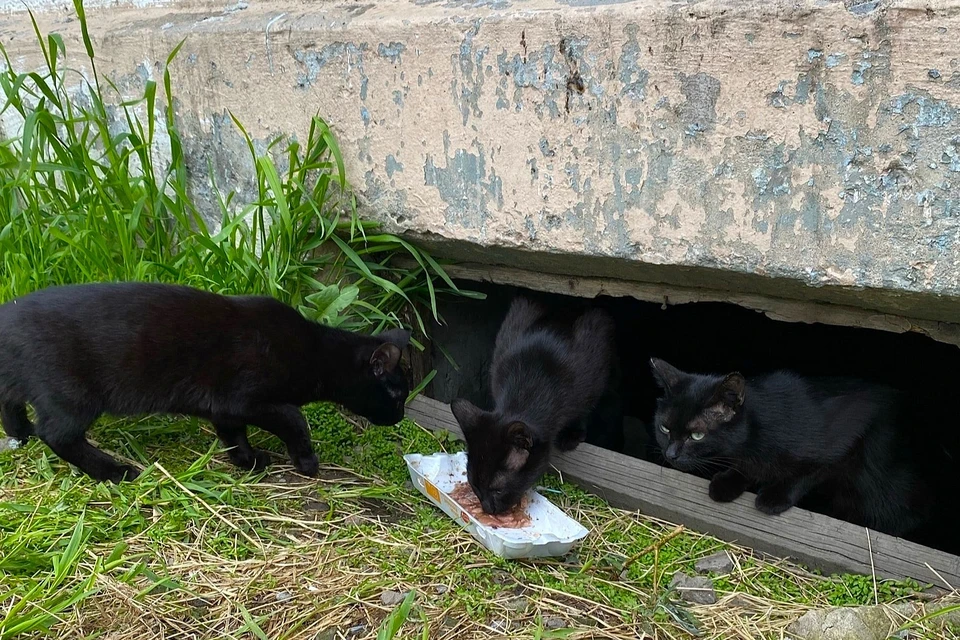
[[834, 59], [929, 111], [863, 8], [465, 184], [391, 51], [542, 70], [859, 69], [699, 111], [392, 166], [467, 85], [461, 4], [592, 3], [347, 54], [632, 76]]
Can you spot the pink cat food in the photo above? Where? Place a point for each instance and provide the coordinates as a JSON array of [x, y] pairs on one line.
[[516, 518]]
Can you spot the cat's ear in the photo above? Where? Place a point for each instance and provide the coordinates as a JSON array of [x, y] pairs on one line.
[[666, 375], [521, 441], [399, 337], [730, 391], [466, 413], [385, 359]]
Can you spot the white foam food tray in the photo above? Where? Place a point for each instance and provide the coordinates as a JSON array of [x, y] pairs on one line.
[[550, 532]]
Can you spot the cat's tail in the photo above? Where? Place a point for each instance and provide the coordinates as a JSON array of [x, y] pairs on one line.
[[15, 422]]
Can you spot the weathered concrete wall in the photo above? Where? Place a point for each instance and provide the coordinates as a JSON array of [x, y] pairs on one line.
[[764, 146]]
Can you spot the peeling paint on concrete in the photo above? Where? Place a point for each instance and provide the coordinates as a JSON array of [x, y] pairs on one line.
[[699, 111], [465, 185], [631, 74], [348, 55], [392, 51], [612, 138], [468, 87], [392, 166]]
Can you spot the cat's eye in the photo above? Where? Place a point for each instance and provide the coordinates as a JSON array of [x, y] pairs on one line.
[[696, 435], [664, 428]]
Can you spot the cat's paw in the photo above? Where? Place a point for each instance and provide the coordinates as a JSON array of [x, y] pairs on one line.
[[307, 465], [570, 440], [727, 486], [773, 501], [121, 473], [251, 459], [261, 460]]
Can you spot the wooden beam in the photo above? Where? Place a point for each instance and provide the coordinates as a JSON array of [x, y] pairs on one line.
[[810, 538], [775, 308]]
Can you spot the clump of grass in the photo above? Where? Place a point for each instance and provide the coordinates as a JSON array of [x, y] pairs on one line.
[[84, 197]]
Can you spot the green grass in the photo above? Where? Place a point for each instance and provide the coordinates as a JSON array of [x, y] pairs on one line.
[[195, 548], [74, 549], [85, 196]]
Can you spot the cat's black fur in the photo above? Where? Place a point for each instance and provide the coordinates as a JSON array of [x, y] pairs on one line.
[[833, 442], [76, 352], [548, 373]]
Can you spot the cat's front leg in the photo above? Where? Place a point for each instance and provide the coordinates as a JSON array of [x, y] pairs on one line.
[[286, 421], [774, 499], [727, 485], [65, 433], [571, 437], [783, 494], [233, 434]]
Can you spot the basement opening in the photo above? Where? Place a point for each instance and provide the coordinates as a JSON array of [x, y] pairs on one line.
[[717, 337]]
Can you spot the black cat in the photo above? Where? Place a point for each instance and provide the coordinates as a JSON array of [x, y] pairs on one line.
[[834, 442], [549, 372], [76, 352]]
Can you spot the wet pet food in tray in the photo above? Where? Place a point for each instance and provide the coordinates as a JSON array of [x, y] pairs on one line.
[[536, 529]]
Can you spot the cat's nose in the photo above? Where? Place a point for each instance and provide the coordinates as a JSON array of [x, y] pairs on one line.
[[673, 451]]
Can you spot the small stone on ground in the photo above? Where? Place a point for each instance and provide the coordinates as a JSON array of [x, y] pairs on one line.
[[392, 598], [355, 631], [720, 563], [315, 505], [553, 622], [850, 623], [516, 604], [697, 590]]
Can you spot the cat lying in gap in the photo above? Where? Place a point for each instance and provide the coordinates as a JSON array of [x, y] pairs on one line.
[[76, 352], [834, 442], [549, 373]]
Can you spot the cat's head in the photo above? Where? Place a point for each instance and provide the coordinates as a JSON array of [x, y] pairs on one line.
[[697, 416], [378, 389], [504, 457]]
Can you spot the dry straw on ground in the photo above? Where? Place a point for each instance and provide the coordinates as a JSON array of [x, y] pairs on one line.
[[288, 557]]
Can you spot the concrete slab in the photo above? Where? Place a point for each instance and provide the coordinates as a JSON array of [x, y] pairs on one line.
[[805, 149]]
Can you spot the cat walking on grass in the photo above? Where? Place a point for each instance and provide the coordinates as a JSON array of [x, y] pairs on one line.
[[77, 352]]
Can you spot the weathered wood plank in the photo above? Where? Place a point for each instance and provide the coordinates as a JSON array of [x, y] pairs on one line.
[[810, 538], [775, 308]]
